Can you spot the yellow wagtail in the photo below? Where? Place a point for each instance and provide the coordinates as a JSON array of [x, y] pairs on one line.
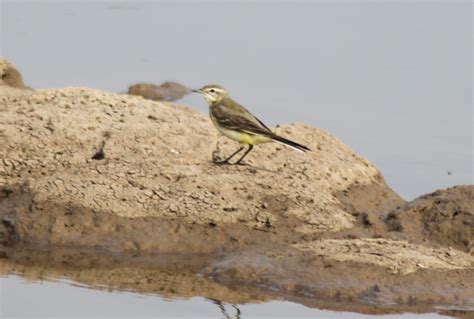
[[237, 123]]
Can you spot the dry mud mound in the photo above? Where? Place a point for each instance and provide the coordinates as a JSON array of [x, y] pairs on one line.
[[155, 162], [91, 170]]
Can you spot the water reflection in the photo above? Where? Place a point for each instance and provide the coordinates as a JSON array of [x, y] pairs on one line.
[[65, 299], [224, 312], [132, 280], [167, 275]]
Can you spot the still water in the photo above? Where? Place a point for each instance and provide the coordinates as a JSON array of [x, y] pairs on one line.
[[22, 299], [390, 79]]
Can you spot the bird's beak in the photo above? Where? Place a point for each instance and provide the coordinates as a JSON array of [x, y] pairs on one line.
[[197, 91]]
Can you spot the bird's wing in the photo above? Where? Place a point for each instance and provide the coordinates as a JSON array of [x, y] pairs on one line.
[[238, 120], [233, 105], [261, 123]]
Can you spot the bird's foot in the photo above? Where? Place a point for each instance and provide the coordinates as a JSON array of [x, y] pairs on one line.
[[224, 162]]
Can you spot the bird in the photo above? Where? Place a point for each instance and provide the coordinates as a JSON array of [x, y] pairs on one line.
[[235, 122]]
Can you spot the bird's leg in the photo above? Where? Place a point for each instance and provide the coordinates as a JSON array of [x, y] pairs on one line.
[[228, 158], [245, 154]]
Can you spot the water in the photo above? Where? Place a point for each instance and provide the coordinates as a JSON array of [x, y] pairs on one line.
[[20, 298], [390, 79]]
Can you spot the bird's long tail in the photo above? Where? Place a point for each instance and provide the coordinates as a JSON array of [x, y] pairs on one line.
[[289, 143]]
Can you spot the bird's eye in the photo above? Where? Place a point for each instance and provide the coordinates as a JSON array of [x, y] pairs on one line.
[[212, 91]]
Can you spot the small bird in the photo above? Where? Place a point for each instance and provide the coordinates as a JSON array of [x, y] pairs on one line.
[[237, 123]]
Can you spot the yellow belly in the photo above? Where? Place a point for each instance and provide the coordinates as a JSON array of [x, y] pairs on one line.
[[242, 137]]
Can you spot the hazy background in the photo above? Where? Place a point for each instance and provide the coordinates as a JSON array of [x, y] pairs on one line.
[[391, 79]]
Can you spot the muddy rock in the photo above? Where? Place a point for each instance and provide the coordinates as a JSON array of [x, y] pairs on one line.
[[155, 162], [445, 217], [401, 257], [9, 75], [168, 91]]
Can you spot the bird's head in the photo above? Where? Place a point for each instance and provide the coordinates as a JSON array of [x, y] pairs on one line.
[[213, 93]]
